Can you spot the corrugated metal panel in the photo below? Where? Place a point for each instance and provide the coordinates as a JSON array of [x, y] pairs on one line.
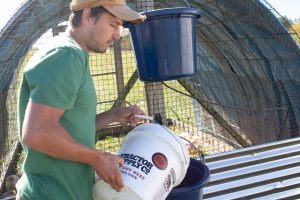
[[269, 171]]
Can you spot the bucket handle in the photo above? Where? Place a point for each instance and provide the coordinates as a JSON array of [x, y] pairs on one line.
[[201, 157]]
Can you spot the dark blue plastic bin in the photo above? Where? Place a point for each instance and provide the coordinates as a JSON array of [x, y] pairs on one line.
[[165, 44], [191, 188]]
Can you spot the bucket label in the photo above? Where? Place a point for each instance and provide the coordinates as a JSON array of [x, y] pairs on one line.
[[160, 161], [166, 186], [137, 162]]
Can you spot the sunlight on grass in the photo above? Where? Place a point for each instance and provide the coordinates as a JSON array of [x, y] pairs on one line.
[[296, 27]]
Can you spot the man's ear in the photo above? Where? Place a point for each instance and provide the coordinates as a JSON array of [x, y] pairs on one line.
[[86, 15]]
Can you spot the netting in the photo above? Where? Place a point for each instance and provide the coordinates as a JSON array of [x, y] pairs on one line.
[[245, 92]]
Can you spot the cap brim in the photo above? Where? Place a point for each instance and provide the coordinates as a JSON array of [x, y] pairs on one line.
[[125, 13]]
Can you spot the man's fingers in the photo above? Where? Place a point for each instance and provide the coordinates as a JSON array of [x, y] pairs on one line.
[[116, 182], [109, 170], [119, 181], [121, 162]]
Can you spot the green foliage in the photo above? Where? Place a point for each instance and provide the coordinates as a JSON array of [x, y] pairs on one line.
[[110, 144], [183, 107], [194, 153]]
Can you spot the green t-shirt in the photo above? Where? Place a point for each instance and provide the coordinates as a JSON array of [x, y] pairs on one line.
[[59, 76]]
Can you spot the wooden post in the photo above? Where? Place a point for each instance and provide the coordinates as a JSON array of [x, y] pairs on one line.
[[119, 68], [123, 94], [153, 90]]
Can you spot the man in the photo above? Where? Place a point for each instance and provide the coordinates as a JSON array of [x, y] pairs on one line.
[[57, 108]]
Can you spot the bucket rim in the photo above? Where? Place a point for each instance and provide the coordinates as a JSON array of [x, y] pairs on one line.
[[152, 14], [195, 186], [172, 11]]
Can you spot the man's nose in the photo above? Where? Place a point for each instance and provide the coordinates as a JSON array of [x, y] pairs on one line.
[[116, 35]]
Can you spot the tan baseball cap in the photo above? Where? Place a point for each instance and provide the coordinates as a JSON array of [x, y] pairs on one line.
[[116, 7]]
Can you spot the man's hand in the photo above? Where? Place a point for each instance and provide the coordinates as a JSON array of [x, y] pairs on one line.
[[123, 115], [107, 166], [126, 115]]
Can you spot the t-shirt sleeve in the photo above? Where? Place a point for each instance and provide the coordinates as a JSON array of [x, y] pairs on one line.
[[56, 80]]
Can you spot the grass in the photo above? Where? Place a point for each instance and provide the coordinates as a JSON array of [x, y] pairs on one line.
[[296, 27], [106, 86]]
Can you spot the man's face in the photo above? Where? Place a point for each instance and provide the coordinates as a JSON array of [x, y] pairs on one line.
[[103, 32]]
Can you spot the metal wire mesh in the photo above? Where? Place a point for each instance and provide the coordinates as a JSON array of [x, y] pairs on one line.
[[247, 80], [27, 25]]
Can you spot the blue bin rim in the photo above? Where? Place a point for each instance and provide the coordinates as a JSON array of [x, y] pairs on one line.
[[172, 11], [195, 186]]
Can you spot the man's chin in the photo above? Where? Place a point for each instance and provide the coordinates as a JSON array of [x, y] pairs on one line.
[[99, 50]]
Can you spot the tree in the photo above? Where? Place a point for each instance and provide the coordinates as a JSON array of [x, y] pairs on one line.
[[297, 20]]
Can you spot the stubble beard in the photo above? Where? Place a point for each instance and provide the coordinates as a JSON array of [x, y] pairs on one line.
[[96, 48]]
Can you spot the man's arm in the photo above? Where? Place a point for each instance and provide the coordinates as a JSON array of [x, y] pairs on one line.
[[42, 131]]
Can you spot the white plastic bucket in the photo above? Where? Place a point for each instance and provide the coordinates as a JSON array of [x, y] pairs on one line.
[[156, 160]]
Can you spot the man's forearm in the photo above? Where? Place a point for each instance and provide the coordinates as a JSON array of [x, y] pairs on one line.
[[104, 119]]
